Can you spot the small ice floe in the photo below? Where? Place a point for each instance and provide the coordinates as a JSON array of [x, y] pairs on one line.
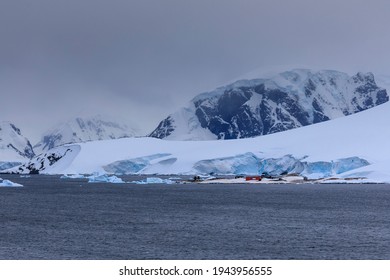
[[8, 183], [72, 176], [104, 178], [175, 178], [154, 180], [349, 181]]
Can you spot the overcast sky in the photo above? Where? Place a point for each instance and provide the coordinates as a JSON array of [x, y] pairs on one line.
[[141, 59]]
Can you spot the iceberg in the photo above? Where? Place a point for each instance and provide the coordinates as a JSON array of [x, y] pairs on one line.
[[8, 183], [153, 180], [104, 178], [72, 176], [319, 169]]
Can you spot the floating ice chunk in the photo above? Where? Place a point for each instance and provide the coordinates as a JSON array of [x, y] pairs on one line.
[[8, 183], [154, 180], [72, 176], [104, 178]]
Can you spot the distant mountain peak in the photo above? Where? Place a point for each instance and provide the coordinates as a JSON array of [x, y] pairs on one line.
[[82, 129], [13, 145], [261, 106]]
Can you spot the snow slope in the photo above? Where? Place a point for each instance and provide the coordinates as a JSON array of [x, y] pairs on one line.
[[358, 139]]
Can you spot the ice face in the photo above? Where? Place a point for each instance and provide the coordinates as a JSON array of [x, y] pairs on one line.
[[318, 169], [347, 164], [284, 165], [321, 169], [241, 164], [132, 166], [127, 166]]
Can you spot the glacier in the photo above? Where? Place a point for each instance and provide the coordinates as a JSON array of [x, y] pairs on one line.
[[348, 147], [247, 164]]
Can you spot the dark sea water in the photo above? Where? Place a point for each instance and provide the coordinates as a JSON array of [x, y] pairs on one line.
[[51, 218]]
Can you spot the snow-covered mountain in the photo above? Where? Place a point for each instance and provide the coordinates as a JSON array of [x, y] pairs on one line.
[[83, 129], [254, 107], [13, 145], [358, 150], [55, 160]]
